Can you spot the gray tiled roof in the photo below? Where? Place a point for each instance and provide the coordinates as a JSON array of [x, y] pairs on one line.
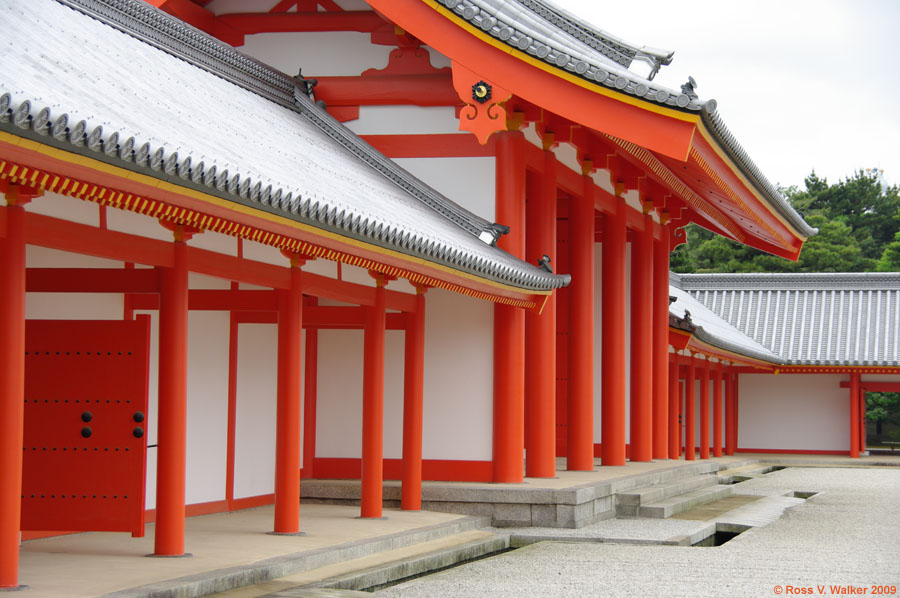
[[713, 330], [562, 40], [122, 82], [809, 319]]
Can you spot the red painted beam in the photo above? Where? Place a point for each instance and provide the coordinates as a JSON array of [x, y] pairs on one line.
[[364, 21], [196, 15], [445, 145], [875, 386], [376, 90], [46, 231], [92, 280]]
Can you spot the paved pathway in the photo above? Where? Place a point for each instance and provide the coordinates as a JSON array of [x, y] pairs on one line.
[[847, 535]]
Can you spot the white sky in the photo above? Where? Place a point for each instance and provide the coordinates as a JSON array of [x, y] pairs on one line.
[[802, 84]]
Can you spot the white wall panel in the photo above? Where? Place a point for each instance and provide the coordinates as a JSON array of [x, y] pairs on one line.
[[137, 224], [207, 406], [339, 394], [395, 120], [254, 463], [795, 411], [467, 181], [339, 397], [332, 53], [42, 257], [66, 208], [459, 374]]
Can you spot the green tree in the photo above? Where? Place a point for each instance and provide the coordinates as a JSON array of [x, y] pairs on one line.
[[883, 407], [858, 221], [890, 257]]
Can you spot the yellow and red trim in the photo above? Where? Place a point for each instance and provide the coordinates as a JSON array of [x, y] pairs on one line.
[[51, 169]]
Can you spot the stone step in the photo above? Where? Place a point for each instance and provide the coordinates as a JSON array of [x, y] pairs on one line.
[[395, 565], [376, 568], [665, 508], [628, 503], [745, 472]]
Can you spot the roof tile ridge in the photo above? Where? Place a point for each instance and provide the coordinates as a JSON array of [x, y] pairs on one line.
[[488, 16]]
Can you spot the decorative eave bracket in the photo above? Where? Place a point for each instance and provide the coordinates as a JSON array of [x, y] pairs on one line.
[[483, 113]]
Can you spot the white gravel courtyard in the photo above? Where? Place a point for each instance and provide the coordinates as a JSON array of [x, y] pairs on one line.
[[843, 541]]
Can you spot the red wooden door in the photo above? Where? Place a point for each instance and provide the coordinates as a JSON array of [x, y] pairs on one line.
[[85, 453]]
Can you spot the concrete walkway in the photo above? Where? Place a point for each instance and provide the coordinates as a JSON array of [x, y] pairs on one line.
[[234, 548]]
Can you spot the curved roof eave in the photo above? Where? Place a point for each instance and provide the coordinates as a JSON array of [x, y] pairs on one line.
[[557, 39]]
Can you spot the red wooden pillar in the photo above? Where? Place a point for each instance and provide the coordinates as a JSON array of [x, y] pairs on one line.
[[641, 342], [540, 333], [172, 434], [613, 342], [290, 379], [660, 349], [674, 447], [704, 411], [717, 412], [736, 412], [862, 420], [580, 397], [854, 415], [413, 382], [373, 405], [509, 322], [12, 381], [689, 413]]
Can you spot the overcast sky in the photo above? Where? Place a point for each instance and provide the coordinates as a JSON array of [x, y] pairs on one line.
[[803, 84]]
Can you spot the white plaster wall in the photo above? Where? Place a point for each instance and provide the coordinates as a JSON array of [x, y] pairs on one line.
[[469, 182], [796, 411], [66, 208], [459, 374], [339, 396], [397, 120], [207, 406], [254, 462], [332, 53], [137, 224]]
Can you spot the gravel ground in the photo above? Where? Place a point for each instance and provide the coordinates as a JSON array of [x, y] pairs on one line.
[[847, 535]]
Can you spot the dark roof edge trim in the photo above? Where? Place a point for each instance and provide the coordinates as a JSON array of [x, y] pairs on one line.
[[485, 15], [711, 339], [846, 281]]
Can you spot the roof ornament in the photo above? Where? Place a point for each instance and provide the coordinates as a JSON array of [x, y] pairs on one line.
[[497, 231], [655, 58], [687, 317], [689, 87], [544, 263], [306, 85]]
